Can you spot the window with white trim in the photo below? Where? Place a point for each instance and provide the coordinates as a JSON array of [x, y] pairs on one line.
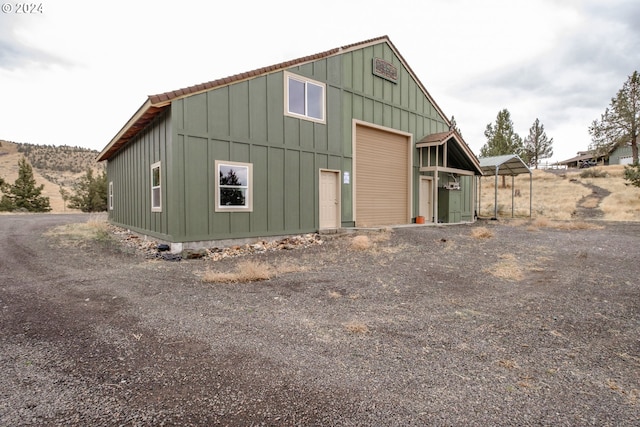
[[110, 195], [156, 188], [234, 186], [304, 98]]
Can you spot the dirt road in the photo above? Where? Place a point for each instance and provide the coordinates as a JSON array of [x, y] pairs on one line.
[[426, 326]]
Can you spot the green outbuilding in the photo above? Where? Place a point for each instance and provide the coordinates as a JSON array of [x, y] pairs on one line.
[[349, 137]]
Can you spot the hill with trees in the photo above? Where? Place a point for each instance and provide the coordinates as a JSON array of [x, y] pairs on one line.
[[58, 168]]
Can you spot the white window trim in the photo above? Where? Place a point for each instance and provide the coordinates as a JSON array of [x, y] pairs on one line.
[[249, 195], [159, 207], [110, 195], [304, 80]]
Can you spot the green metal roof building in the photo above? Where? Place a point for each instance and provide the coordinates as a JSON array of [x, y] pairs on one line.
[[349, 137]]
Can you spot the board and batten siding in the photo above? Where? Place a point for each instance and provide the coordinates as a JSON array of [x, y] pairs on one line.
[[402, 106], [244, 122], [130, 172]]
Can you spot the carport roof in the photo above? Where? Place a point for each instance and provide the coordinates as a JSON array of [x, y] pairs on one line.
[[509, 164]]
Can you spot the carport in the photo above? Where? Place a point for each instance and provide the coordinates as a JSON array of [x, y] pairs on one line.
[[510, 164]]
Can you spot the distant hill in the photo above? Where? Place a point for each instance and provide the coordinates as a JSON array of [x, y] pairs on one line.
[[54, 166]]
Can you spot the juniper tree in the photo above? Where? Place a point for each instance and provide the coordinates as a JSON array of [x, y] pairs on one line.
[[90, 193], [24, 194]]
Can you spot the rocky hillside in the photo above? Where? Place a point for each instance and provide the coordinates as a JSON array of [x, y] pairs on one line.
[[54, 166]]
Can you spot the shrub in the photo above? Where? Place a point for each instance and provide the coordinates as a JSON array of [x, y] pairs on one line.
[[361, 243], [632, 174], [593, 173], [482, 233]]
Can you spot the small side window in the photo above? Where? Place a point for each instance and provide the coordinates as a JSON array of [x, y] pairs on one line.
[[156, 188], [111, 195]]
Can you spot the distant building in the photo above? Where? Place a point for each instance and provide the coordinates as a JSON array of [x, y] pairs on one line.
[[621, 155], [585, 158]]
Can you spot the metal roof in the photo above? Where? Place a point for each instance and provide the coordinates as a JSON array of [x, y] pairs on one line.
[[509, 164]]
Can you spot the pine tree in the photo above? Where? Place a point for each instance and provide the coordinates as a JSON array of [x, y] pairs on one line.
[[90, 193], [537, 146], [620, 122], [24, 194], [501, 138]]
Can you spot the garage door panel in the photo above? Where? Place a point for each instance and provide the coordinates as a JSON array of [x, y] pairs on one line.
[[382, 177]]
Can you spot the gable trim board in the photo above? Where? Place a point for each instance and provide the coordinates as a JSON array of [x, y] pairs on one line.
[[363, 151]]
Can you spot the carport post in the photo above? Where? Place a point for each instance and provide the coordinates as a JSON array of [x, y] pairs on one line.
[[495, 202], [513, 189], [530, 193], [479, 181]]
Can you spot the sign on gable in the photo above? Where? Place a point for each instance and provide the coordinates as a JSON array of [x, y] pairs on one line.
[[384, 69]]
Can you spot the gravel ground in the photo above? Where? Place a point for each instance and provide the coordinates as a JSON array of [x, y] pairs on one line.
[[419, 326]]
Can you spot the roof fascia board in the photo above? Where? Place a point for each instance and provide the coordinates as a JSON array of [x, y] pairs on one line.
[[467, 151], [138, 114]]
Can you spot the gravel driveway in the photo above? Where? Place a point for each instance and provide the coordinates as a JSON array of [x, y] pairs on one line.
[[426, 326]]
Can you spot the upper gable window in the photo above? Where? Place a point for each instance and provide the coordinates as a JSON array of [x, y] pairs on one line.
[[305, 98]]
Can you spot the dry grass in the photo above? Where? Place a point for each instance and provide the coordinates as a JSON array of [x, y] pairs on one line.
[[555, 196], [382, 236], [574, 225], [356, 327], [509, 268], [481, 233], [251, 271], [537, 223], [361, 243], [95, 229], [364, 242], [624, 202]]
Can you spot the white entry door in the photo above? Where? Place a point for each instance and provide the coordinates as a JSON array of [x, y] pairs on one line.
[[426, 198], [329, 199]]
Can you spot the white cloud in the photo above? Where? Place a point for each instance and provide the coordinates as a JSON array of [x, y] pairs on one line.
[[76, 73]]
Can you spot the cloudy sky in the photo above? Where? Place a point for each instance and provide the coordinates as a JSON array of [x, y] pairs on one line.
[[73, 72]]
